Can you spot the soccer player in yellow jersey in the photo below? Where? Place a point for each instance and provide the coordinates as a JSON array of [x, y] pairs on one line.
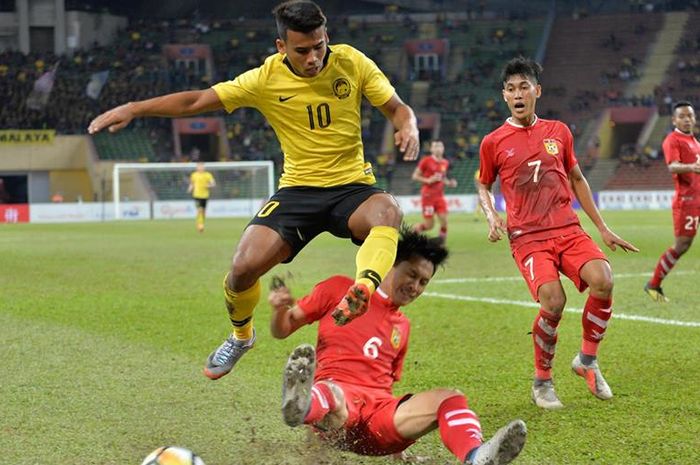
[[200, 183], [311, 94]]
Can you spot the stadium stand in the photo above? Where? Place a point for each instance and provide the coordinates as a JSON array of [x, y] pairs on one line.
[[589, 66], [590, 61], [126, 145]]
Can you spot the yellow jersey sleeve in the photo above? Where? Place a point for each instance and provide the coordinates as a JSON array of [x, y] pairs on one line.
[[242, 91], [376, 86], [317, 120]]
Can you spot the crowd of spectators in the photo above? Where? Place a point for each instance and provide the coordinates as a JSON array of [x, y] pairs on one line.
[[688, 64], [633, 155], [138, 69]]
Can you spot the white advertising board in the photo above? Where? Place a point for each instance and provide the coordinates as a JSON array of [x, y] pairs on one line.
[[455, 203], [635, 200], [185, 209], [83, 212]]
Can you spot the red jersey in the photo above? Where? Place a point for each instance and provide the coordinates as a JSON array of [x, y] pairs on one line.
[[533, 163], [683, 148], [368, 351], [428, 166]]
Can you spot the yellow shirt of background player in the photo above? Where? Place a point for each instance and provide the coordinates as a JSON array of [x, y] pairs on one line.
[[317, 120], [201, 180]]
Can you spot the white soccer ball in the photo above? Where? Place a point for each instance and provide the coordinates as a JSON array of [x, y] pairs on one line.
[[172, 455]]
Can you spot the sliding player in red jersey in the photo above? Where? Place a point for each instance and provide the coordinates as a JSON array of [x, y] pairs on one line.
[[682, 153], [539, 177], [431, 172], [349, 401]]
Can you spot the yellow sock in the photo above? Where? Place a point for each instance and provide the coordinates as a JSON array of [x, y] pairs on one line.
[[200, 218], [240, 307], [376, 256]]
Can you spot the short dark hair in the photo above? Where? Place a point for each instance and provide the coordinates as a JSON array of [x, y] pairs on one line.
[[298, 15], [414, 244], [682, 103], [521, 66]]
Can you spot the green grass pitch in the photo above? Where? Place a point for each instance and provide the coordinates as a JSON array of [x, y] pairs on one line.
[[104, 329]]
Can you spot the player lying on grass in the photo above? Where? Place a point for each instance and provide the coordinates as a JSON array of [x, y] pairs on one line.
[[344, 391]]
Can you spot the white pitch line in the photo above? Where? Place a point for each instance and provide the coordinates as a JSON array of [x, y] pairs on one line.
[[522, 303], [518, 278]]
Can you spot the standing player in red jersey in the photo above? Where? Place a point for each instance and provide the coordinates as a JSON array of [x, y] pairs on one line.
[[349, 400], [682, 153], [432, 173], [539, 176]]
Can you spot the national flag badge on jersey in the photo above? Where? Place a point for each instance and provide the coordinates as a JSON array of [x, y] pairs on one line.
[[395, 337], [550, 145]]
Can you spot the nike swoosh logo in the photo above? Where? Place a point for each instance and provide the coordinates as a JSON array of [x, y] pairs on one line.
[[284, 99]]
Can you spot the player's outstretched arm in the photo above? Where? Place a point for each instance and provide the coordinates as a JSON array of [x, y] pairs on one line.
[[179, 104], [497, 225], [680, 168], [286, 316], [583, 194], [404, 120]]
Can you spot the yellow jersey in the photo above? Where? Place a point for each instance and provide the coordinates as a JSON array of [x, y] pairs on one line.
[[201, 180], [316, 119]]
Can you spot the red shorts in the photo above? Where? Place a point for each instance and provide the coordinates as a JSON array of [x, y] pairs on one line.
[[541, 261], [370, 428], [433, 205], [685, 220]]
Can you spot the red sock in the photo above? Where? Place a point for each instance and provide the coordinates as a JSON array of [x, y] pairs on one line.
[[443, 232], [595, 318], [544, 337], [322, 402], [666, 263], [460, 429]]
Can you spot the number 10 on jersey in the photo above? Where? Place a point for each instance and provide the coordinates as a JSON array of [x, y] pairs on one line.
[[321, 117]]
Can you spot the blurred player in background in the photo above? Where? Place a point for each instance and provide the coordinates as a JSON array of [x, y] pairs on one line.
[[431, 172], [345, 390], [201, 181], [682, 153], [539, 173], [311, 95]]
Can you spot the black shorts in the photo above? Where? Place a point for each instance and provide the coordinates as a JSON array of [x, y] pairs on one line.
[[200, 203], [299, 214]]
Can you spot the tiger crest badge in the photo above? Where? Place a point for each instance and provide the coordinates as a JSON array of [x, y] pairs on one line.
[[341, 88]]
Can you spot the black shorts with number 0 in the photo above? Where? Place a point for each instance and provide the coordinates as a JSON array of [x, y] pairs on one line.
[[299, 214], [200, 203]]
